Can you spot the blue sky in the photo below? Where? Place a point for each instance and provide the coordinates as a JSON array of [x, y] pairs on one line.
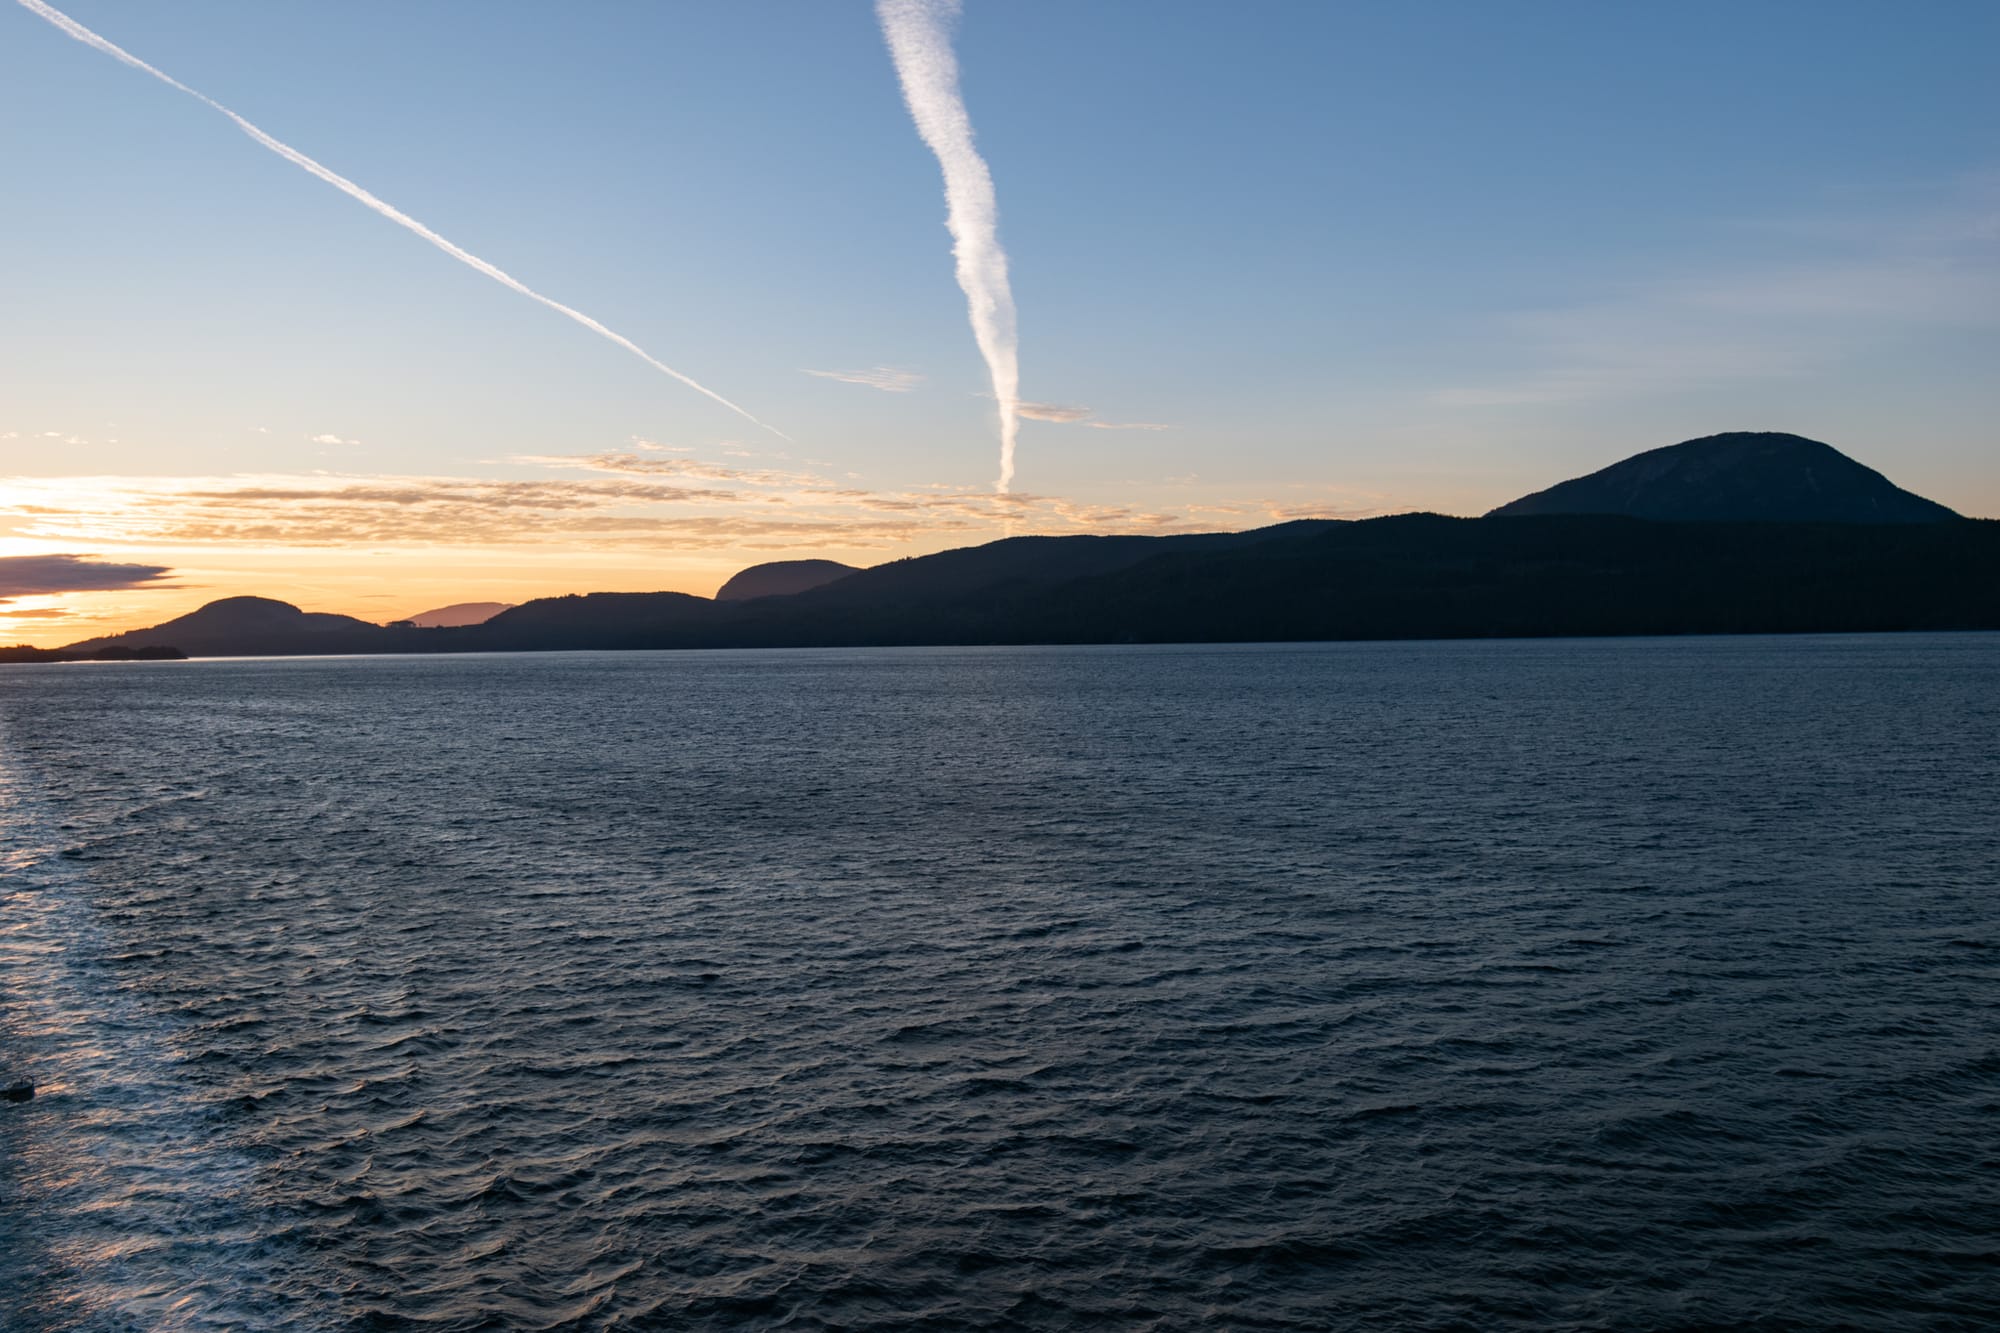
[[1352, 257]]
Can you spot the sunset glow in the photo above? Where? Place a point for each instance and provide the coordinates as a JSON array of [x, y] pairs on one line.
[[231, 372], [1030, 664]]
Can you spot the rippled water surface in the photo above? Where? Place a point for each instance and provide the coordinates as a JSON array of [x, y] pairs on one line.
[[1616, 984]]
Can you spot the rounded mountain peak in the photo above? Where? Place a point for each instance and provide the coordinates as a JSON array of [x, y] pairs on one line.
[[244, 610], [781, 578], [1738, 476]]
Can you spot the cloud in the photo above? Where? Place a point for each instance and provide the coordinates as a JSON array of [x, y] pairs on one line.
[[919, 37], [886, 378], [41, 575], [1064, 415], [1884, 281], [1053, 412], [611, 500], [692, 469], [331, 439]]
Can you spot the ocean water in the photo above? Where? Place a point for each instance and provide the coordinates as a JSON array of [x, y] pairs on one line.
[[1640, 984]]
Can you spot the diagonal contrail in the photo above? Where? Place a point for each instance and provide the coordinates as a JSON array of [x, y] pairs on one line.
[[395, 215], [919, 35]]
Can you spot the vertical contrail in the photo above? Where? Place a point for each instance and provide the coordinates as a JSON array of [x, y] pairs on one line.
[[919, 34], [397, 216]]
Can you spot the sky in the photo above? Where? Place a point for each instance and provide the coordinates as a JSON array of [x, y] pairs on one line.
[[1269, 261]]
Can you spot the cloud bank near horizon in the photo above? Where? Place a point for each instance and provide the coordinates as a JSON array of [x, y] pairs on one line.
[[919, 37], [47, 575], [608, 501], [72, 28]]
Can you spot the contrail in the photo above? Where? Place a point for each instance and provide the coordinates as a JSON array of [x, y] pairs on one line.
[[395, 215], [919, 35]]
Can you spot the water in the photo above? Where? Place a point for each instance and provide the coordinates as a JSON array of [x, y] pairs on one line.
[[1615, 984]]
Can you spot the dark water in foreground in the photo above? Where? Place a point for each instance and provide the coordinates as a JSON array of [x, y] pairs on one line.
[[1640, 984]]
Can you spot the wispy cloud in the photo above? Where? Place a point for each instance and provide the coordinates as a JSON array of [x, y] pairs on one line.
[[689, 469], [40, 575], [82, 34], [1052, 412], [1872, 283], [611, 500], [1065, 415], [886, 378], [919, 36], [331, 439]]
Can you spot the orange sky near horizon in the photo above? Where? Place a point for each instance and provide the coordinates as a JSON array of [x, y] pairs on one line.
[[383, 548], [646, 518], [373, 586], [1476, 263]]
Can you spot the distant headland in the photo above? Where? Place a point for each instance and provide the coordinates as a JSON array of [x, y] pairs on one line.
[[1747, 532], [22, 652]]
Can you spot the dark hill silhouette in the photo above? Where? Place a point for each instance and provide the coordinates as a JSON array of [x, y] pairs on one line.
[[458, 613], [1429, 576], [941, 598], [1743, 476], [781, 578], [253, 626], [1027, 561], [22, 652], [590, 620], [1409, 576]]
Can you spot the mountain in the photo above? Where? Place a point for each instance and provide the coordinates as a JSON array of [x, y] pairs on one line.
[[585, 620], [1026, 562], [1408, 576], [958, 596], [1728, 564], [1743, 476], [781, 578], [253, 626], [1425, 576], [458, 613]]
